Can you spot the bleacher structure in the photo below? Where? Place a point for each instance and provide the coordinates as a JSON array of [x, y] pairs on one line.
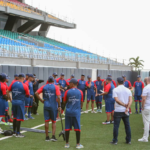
[[18, 41]]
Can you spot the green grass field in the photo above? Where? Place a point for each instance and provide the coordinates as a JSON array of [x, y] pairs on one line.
[[94, 135]]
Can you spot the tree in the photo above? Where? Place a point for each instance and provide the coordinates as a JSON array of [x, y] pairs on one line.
[[136, 63]]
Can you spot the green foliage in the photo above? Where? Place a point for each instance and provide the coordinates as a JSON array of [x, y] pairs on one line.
[[136, 63]]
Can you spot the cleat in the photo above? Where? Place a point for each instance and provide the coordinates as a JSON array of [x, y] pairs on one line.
[[86, 112], [112, 122], [67, 146], [53, 138], [97, 110], [31, 117], [142, 140], [79, 146], [26, 114], [113, 143], [14, 133], [106, 122], [8, 124], [100, 111], [93, 112], [47, 139], [128, 143], [25, 118], [19, 136]]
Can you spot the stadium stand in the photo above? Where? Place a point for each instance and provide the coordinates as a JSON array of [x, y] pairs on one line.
[[12, 45]]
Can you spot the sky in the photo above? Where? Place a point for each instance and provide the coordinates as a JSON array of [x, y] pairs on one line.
[[117, 29]]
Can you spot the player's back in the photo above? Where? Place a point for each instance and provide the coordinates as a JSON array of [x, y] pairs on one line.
[[110, 86], [18, 91], [73, 106], [99, 85], [49, 95]]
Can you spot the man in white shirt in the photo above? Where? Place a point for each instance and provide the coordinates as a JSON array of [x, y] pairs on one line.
[[123, 101], [146, 110]]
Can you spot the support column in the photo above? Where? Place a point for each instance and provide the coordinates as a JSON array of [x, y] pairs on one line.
[[43, 31]]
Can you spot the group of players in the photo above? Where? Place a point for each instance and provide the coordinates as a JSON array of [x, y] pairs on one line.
[[57, 90]]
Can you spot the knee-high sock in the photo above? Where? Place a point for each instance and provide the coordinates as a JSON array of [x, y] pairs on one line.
[[136, 107], [29, 111], [100, 105], [78, 136], [6, 117], [67, 136], [25, 110], [140, 106], [14, 125], [18, 123]]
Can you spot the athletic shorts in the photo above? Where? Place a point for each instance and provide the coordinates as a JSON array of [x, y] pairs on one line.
[[137, 98], [72, 121], [90, 96], [50, 115], [18, 110], [6, 106], [2, 107], [109, 106], [99, 99], [31, 102], [27, 101]]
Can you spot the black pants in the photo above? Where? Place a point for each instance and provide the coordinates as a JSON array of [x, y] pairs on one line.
[[34, 109], [117, 118]]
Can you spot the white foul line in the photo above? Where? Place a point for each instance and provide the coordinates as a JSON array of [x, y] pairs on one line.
[[41, 125]]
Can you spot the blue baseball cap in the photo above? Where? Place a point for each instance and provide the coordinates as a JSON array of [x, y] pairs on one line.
[[123, 76], [3, 75], [98, 76], [82, 74], [138, 76], [109, 78], [21, 75], [55, 74], [62, 74], [88, 77], [72, 75], [27, 74], [50, 78], [16, 75], [73, 81], [31, 75], [120, 79], [109, 75]]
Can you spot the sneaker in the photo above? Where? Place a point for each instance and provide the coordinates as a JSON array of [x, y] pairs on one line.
[[25, 118], [26, 114], [140, 112], [93, 112], [97, 110], [47, 139], [79, 146], [37, 114], [31, 117], [136, 112], [114, 143], [86, 112], [106, 122], [19, 136], [10, 120], [8, 124], [67, 146], [53, 138], [128, 143], [82, 111], [14, 133], [142, 140], [2, 122], [112, 122], [100, 111]]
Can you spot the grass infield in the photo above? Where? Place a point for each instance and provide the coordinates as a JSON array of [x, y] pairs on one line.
[[94, 135]]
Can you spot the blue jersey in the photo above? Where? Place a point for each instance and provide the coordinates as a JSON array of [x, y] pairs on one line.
[[24, 81], [62, 83], [19, 91], [99, 86], [138, 88], [50, 92], [109, 89], [127, 84], [81, 85], [73, 97], [30, 86], [91, 89]]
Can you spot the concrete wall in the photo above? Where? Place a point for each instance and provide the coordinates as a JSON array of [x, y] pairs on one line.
[[59, 64]]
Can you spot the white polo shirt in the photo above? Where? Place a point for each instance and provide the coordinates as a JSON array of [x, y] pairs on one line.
[[123, 95], [146, 92]]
